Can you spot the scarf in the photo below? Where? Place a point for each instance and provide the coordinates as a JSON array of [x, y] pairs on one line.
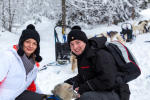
[[28, 63]]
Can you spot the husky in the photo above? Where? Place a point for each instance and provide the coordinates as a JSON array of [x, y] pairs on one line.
[[112, 35], [63, 91], [140, 28]]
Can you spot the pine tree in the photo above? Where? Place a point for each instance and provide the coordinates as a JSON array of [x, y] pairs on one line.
[[90, 12], [102, 11]]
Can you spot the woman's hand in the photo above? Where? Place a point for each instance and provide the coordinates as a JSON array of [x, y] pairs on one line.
[[77, 89]]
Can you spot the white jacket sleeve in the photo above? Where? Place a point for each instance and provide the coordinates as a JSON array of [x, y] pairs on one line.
[[38, 90], [4, 65]]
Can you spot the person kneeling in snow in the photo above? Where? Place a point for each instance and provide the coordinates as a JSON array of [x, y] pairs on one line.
[[18, 68], [94, 81]]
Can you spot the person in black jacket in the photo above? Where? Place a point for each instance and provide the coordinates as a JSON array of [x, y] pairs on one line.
[[97, 71]]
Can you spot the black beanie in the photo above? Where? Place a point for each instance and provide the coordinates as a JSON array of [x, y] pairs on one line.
[[30, 26], [76, 27], [77, 34], [26, 34]]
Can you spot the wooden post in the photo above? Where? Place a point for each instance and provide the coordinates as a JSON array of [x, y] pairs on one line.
[[63, 16], [133, 13]]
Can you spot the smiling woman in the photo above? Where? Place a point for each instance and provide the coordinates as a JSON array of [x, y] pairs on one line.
[[29, 46], [30, 34], [77, 46], [96, 68], [18, 68]]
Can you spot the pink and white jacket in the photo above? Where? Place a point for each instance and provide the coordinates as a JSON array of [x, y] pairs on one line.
[[13, 78]]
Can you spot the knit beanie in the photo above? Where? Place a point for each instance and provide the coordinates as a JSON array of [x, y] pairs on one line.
[[26, 34], [30, 26], [77, 34], [76, 27]]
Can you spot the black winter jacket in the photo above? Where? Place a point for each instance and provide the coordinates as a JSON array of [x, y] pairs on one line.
[[97, 70]]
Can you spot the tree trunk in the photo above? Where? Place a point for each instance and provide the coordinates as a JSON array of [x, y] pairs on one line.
[[63, 16], [3, 17], [133, 13]]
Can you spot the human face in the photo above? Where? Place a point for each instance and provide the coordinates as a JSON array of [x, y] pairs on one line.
[[29, 46], [77, 46]]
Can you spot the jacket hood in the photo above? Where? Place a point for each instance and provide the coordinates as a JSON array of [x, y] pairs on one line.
[[97, 42], [94, 44]]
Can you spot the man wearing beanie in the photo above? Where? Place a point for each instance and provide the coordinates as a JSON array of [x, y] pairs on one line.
[[96, 67], [18, 69]]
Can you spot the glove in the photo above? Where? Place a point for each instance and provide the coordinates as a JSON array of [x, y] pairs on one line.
[[69, 81], [45, 97], [83, 88]]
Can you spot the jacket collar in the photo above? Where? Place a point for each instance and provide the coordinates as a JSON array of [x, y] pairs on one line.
[[84, 52], [88, 52], [93, 45], [97, 42]]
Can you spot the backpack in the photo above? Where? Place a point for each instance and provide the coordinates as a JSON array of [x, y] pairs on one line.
[[126, 63], [124, 59]]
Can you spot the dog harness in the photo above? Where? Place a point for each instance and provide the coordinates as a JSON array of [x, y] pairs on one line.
[[108, 33], [53, 97]]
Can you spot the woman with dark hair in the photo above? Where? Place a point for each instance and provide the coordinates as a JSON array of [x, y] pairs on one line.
[[18, 68]]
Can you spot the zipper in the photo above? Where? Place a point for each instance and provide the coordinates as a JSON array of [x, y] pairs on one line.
[[26, 78]]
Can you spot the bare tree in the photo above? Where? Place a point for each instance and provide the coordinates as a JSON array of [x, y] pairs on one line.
[[8, 14], [3, 19], [11, 14]]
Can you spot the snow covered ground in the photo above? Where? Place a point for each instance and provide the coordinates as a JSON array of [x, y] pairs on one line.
[[53, 75]]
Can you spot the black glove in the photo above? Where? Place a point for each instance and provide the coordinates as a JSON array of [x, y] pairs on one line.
[[83, 88], [45, 97], [69, 81], [72, 82]]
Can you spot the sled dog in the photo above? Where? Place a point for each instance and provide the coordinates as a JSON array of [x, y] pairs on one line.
[[64, 91], [112, 35], [139, 29]]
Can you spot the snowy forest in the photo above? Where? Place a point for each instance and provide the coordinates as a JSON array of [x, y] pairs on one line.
[[94, 16], [14, 13]]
